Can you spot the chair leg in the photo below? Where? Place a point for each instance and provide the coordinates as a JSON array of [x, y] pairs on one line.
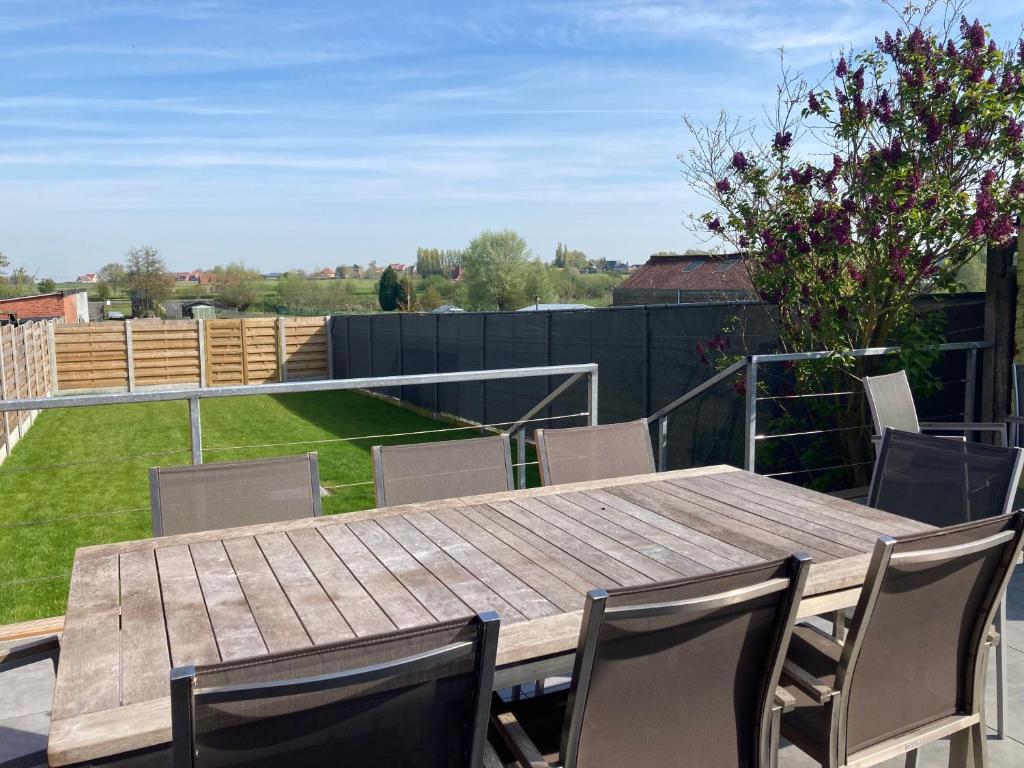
[[1001, 682], [968, 749], [839, 625], [911, 761]]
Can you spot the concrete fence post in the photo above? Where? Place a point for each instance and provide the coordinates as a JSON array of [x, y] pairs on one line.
[[201, 330], [282, 350], [3, 390], [51, 341], [129, 355], [17, 378]]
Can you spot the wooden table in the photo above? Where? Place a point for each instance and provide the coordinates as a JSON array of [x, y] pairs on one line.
[[136, 608]]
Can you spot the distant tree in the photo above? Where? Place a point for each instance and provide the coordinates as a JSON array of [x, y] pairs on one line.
[[495, 266], [565, 258], [46, 285], [429, 262], [407, 294], [537, 284], [103, 291], [113, 275], [371, 269], [389, 291], [599, 264], [237, 285], [147, 279], [431, 299], [341, 271], [4, 262]]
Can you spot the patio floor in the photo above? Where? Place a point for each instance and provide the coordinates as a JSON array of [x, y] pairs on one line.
[[26, 694]]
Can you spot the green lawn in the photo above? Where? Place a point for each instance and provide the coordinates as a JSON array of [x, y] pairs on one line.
[[48, 510]]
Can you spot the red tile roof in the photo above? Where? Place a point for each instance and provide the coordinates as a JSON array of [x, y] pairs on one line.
[[691, 273]]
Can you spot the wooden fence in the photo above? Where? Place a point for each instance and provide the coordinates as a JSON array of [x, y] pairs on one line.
[[25, 371], [137, 354]]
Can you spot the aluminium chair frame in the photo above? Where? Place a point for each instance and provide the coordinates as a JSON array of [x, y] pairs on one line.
[[775, 700], [837, 704], [156, 505], [184, 692], [544, 464], [380, 495]]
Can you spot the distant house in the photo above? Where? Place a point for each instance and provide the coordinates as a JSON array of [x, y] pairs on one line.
[[197, 276], [613, 265], [324, 274], [398, 267], [446, 309], [681, 279], [88, 277], [271, 275], [69, 306]]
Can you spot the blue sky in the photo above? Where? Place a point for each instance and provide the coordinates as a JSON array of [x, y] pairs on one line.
[[302, 134]]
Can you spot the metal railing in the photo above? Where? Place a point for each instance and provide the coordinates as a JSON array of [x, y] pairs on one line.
[[194, 396], [751, 365]]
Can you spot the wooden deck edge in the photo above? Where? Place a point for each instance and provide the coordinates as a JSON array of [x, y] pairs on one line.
[[35, 628], [109, 732]]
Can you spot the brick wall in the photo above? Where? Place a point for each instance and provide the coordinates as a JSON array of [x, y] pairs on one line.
[[49, 305]]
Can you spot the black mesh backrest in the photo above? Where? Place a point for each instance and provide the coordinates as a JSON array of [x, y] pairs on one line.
[[408, 474], [690, 686], [943, 482], [910, 657], [601, 452], [425, 716]]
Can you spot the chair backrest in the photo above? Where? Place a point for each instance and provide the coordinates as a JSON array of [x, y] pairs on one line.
[[594, 453], [891, 402], [1018, 389], [407, 474], [915, 652], [228, 494], [415, 697], [695, 661], [943, 482]]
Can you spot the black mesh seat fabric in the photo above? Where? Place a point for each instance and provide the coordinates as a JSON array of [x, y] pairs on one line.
[[408, 474], [428, 714], [943, 482]]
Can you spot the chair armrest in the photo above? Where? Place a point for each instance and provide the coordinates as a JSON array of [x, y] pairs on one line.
[[1014, 419], [29, 653], [802, 679], [963, 426], [784, 700], [993, 638], [512, 733]]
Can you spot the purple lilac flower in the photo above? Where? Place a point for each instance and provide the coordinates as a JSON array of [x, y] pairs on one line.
[[813, 104], [715, 225], [782, 141], [916, 43], [932, 128], [855, 273], [975, 33], [951, 50], [739, 161], [841, 68], [974, 140], [1002, 230], [930, 202], [723, 186], [977, 228], [1014, 130], [883, 109], [899, 275]]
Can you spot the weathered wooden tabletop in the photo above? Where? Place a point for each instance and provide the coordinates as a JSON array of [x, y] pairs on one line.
[[137, 608]]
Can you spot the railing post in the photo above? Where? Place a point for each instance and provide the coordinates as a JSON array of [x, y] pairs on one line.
[[3, 390], [969, 383], [592, 419], [750, 423], [195, 430], [521, 456], [662, 443], [329, 340], [282, 351]]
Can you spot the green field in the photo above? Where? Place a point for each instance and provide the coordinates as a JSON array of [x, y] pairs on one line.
[[48, 509]]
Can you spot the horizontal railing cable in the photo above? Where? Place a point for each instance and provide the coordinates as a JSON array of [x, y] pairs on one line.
[[64, 518]]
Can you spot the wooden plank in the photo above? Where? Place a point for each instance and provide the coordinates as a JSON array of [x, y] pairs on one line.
[[759, 536], [555, 584], [699, 546], [822, 536], [628, 533], [394, 599], [145, 660], [583, 561], [356, 605], [278, 623], [188, 625], [88, 677], [319, 616], [568, 534], [234, 627], [434, 595], [845, 531], [508, 584], [448, 571], [828, 506], [52, 625], [108, 732]]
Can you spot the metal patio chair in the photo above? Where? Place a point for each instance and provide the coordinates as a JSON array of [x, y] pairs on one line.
[[407, 474], [892, 405], [681, 672], [594, 453], [1014, 422], [205, 497], [413, 697], [946, 482], [912, 669]]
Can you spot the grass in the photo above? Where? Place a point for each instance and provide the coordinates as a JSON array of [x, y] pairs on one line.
[[48, 510]]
